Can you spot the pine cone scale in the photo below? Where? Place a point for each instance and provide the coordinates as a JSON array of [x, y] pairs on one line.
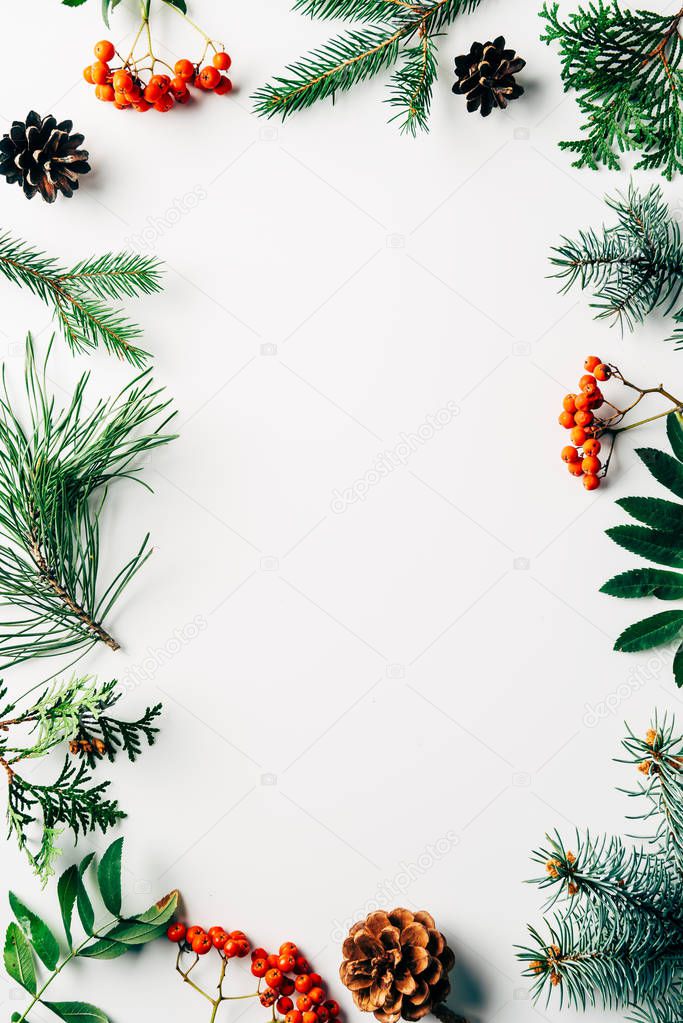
[[42, 156], [486, 76]]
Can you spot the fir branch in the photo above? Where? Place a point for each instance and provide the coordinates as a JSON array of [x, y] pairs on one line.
[[54, 478], [626, 67], [633, 267], [79, 296], [76, 714], [615, 937], [363, 53]]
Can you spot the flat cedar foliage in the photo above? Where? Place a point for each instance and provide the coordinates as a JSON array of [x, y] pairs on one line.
[[613, 928], [387, 33], [625, 67]]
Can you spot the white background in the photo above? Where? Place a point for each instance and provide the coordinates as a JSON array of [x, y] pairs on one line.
[[405, 696]]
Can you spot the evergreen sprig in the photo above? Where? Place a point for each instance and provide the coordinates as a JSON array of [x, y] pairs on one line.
[[80, 297], [34, 957], [626, 69], [76, 714], [633, 267], [55, 472], [613, 934], [657, 536], [389, 30]]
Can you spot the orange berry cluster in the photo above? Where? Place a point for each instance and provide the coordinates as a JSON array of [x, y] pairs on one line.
[[578, 415], [285, 973], [126, 89]]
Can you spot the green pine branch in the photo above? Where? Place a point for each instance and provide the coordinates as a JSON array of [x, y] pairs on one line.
[[613, 931], [54, 481], [634, 266], [80, 296], [627, 69], [401, 29], [77, 715]]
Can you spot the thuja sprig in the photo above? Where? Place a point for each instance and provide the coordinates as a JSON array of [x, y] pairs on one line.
[[80, 296], [614, 937], [626, 69], [34, 957], [55, 474], [634, 266], [389, 31], [76, 714]]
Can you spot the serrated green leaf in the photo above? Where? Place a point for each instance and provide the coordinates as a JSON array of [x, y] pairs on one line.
[[104, 949], [666, 469], [19, 958], [67, 889], [651, 632], [109, 877], [678, 666], [179, 4], [655, 512], [674, 431], [85, 909], [645, 582], [653, 544], [37, 931], [162, 911], [132, 932], [77, 1012]]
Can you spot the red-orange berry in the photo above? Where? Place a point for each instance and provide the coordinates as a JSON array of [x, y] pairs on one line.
[[122, 80], [575, 468], [317, 995], [294, 1016], [585, 380], [578, 436], [259, 967], [179, 84], [105, 93], [184, 68], [602, 372], [591, 482], [224, 86], [590, 465], [582, 402], [287, 986], [583, 418], [164, 103], [194, 932], [289, 948], [87, 74], [209, 77], [202, 944], [590, 363], [222, 61], [590, 387], [104, 50], [274, 978], [285, 1005], [569, 454], [566, 419], [142, 106], [175, 932], [99, 72], [267, 997], [304, 1003], [592, 446], [152, 92], [286, 962], [332, 1007], [303, 984], [568, 403], [162, 81], [310, 1017], [134, 92]]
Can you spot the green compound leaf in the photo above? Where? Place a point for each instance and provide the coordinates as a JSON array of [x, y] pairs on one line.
[[109, 877], [149, 925], [655, 512], [653, 544], [85, 908], [37, 931], [655, 631], [645, 582], [19, 958], [104, 949], [674, 431], [77, 1012]]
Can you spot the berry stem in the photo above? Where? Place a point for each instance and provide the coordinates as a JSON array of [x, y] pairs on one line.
[[650, 419]]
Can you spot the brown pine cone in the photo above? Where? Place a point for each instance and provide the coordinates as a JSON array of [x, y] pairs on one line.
[[486, 75], [396, 965]]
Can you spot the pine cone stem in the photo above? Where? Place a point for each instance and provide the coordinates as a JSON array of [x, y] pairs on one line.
[[446, 1015]]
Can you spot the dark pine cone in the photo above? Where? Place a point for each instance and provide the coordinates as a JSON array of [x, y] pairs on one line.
[[396, 965], [486, 75], [42, 156]]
